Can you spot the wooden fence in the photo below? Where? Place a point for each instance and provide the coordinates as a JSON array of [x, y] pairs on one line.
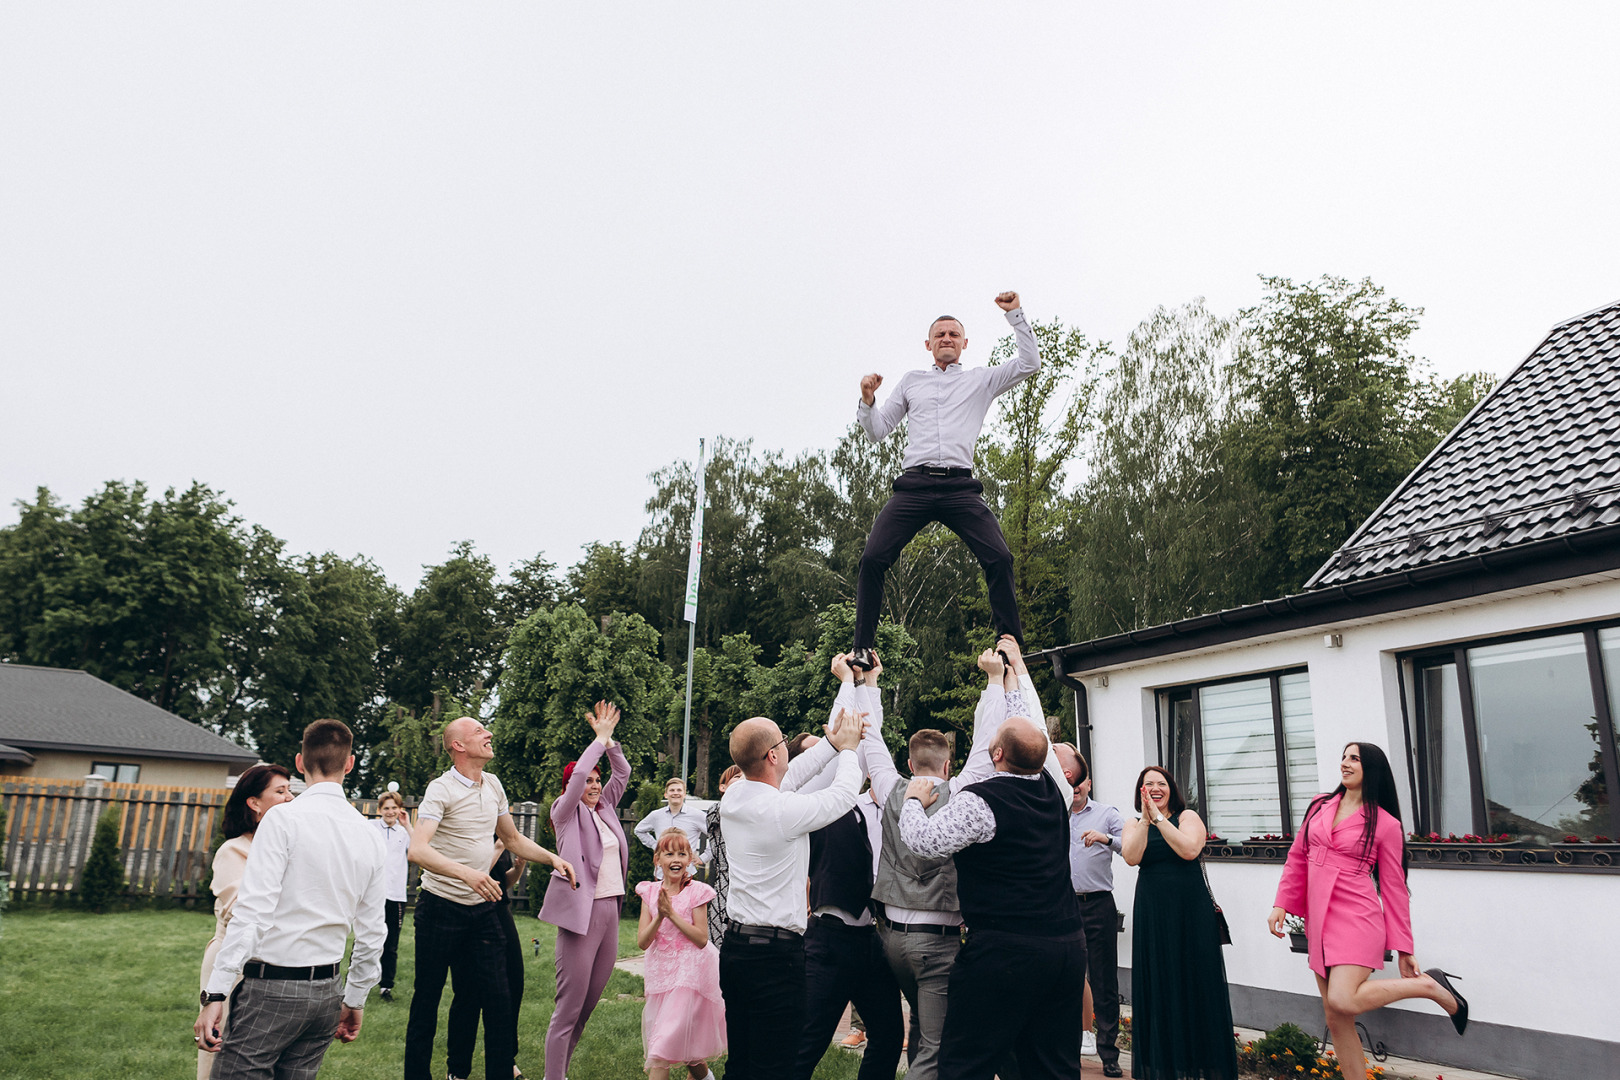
[[166, 837]]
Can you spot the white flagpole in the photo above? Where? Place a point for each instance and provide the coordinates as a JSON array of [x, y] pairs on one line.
[[694, 563]]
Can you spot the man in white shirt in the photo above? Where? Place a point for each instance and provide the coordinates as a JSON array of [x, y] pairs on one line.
[[767, 822], [457, 923], [946, 405], [676, 815], [315, 873], [395, 827]]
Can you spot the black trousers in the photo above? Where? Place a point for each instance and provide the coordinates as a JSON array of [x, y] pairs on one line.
[[1015, 993], [394, 916], [956, 502], [842, 965], [762, 982], [469, 940], [461, 1031], [1097, 914]]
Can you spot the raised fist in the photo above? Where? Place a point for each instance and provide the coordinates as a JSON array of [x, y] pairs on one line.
[[869, 385], [1007, 301]]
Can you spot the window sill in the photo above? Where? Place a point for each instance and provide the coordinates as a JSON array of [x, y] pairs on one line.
[[1554, 859]]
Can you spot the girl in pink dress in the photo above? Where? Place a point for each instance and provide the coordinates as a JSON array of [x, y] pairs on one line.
[[1346, 876], [685, 1017]]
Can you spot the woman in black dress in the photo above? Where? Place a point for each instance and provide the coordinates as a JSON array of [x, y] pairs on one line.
[[1181, 1013], [461, 1032]]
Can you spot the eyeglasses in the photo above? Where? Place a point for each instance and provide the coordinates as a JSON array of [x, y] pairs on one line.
[[779, 742]]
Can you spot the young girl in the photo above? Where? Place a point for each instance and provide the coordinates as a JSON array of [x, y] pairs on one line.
[[685, 1018]]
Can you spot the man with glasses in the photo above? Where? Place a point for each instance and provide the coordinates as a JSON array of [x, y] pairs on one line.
[[767, 821]]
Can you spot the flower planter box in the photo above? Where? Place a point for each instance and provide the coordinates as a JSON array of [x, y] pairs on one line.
[[1602, 854], [1119, 922]]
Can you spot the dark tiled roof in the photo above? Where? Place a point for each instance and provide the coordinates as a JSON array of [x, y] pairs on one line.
[[1538, 459], [12, 753], [62, 709]]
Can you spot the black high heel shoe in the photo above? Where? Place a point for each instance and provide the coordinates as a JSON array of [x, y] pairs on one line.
[[1459, 1019]]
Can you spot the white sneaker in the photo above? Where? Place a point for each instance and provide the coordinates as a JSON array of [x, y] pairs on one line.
[[1088, 1044]]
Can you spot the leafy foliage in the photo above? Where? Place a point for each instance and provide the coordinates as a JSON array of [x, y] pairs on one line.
[[102, 884]]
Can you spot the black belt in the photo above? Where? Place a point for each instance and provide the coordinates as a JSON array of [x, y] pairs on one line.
[[1094, 895], [839, 924], [922, 928], [258, 969], [937, 470], [778, 933]]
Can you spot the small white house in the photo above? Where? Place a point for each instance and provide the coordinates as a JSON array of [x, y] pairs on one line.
[[1471, 628]]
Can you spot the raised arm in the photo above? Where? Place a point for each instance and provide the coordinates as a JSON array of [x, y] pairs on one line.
[[987, 717], [805, 812], [1029, 705], [1004, 377], [878, 421]]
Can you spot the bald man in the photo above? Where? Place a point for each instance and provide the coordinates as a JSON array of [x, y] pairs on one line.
[[457, 918], [767, 821], [1018, 981]]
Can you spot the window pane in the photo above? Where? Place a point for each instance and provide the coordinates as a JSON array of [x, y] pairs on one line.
[[1451, 808], [1538, 738], [1299, 732], [129, 774], [1609, 646], [1181, 752], [1240, 759]]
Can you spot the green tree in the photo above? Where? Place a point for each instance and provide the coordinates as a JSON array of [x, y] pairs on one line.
[[725, 691], [448, 638], [558, 663], [102, 881], [407, 748], [604, 581]]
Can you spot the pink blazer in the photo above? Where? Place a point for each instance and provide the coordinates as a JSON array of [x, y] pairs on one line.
[[1331, 885], [580, 843]]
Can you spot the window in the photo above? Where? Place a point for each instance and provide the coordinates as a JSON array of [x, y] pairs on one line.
[[118, 774], [1243, 751], [1517, 736]]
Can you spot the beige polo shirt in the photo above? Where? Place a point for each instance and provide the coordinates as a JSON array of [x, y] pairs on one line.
[[466, 813]]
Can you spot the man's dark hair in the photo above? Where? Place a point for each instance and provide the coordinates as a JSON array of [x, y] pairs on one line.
[[930, 749], [1173, 805], [946, 318], [238, 816], [327, 746], [795, 745]]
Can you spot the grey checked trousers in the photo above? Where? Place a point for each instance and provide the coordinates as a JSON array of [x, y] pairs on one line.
[[279, 1029]]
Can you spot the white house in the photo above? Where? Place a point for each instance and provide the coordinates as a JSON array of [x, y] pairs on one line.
[[1471, 628]]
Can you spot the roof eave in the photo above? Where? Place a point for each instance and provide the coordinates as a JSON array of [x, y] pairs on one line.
[[135, 751]]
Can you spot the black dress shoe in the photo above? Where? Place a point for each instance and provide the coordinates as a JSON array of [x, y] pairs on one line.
[[1111, 1068], [1459, 1019], [863, 659]]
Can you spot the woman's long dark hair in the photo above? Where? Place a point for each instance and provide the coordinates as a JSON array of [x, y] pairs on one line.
[[1173, 803], [1378, 791], [238, 816]]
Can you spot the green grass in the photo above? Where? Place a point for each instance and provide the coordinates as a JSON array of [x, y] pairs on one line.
[[108, 997]]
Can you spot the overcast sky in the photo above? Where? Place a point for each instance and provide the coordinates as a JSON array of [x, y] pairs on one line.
[[395, 275]]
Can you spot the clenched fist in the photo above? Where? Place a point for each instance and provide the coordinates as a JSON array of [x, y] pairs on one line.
[[869, 385], [1007, 301]]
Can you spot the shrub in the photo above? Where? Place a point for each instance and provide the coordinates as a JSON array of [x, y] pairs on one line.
[[103, 881], [1289, 1051]]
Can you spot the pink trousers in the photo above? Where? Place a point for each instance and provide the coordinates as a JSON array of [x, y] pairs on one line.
[[584, 962]]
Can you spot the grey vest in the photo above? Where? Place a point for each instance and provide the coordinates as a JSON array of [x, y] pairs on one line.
[[905, 878]]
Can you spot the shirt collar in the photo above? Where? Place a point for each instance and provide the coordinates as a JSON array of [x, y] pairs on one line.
[[328, 787], [952, 368], [464, 781]]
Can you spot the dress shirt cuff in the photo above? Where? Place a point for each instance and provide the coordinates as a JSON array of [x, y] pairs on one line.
[[1016, 316], [222, 981]]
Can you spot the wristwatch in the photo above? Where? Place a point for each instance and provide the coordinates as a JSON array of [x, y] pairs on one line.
[[205, 998]]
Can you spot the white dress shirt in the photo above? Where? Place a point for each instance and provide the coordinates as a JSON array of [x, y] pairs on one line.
[[947, 408], [315, 871], [396, 861], [768, 831]]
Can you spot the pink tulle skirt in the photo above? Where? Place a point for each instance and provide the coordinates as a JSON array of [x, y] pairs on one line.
[[682, 1025]]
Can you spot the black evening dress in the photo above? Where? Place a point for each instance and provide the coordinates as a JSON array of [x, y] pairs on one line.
[[1181, 1014]]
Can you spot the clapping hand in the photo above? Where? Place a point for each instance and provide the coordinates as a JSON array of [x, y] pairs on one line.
[[1007, 301], [921, 788], [665, 908], [603, 719]]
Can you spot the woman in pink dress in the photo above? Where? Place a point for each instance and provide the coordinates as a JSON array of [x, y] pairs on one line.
[[1346, 876], [685, 1017]]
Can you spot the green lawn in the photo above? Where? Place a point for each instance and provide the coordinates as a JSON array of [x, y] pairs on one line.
[[110, 997]]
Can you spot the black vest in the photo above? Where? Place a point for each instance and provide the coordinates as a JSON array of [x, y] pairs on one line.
[[1019, 882], [841, 865]]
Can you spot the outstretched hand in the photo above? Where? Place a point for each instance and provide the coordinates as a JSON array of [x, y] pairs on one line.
[[1007, 301], [603, 719], [869, 385], [841, 669], [846, 730]]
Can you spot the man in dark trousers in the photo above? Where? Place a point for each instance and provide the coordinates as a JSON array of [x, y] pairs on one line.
[[1095, 836], [1018, 982], [944, 406], [843, 956]]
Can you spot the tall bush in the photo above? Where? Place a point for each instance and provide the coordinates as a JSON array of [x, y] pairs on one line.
[[103, 882]]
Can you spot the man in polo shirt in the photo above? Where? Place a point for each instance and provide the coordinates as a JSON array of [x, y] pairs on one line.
[[457, 923], [1095, 836]]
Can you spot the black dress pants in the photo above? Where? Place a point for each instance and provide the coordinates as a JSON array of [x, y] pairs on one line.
[[1098, 916], [762, 982], [469, 940], [845, 964], [1015, 993], [956, 502], [394, 917], [461, 1031]]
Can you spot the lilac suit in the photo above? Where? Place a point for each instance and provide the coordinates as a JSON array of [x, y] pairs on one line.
[[587, 928]]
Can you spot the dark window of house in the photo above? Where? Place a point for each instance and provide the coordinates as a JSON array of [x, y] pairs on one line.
[[120, 774], [1517, 736], [1242, 750]]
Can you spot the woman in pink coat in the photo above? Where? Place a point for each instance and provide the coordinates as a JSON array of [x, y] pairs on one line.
[[587, 917], [1346, 876]]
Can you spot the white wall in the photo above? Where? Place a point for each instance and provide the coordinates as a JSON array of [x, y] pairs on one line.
[[1538, 950]]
